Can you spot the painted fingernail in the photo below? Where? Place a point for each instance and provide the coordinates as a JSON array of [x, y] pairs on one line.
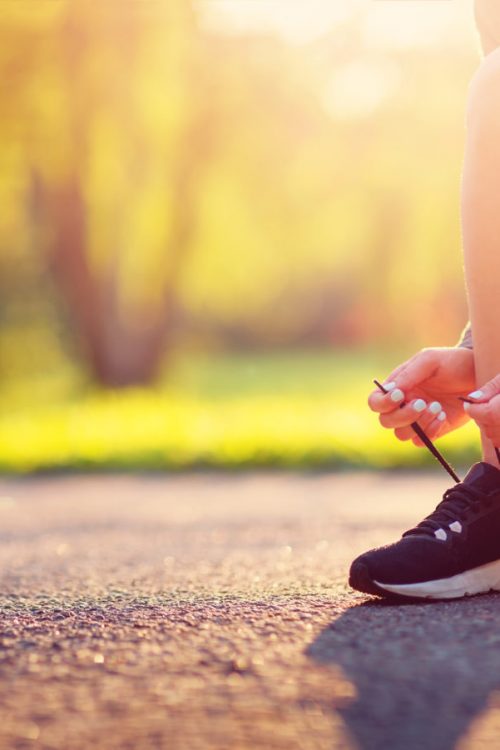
[[390, 386], [466, 406], [397, 395], [419, 404], [442, 416], [435, 407], [476, 394]]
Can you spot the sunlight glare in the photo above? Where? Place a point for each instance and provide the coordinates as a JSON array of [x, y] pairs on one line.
[[297, 21], [386, 23], [414, 23], [357, 89]]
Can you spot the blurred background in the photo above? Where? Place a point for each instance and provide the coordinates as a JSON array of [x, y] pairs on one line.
[[220, 219]]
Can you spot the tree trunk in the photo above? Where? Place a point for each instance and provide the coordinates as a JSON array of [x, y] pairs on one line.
[[122, 347]]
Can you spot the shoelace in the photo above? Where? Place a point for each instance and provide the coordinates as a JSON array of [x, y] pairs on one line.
[[455, 505]]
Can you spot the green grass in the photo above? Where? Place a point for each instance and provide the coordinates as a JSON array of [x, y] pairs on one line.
[[281, 410]]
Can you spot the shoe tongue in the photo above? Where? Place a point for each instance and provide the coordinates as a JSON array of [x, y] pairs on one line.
[[483, 476]]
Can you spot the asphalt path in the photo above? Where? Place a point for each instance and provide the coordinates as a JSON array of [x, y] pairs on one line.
[[211, 612]]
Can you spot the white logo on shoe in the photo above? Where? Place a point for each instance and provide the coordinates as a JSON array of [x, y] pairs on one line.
[[441, 534], [456, 526]]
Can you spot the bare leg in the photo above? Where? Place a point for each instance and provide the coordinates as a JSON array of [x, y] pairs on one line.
[[481, 223]]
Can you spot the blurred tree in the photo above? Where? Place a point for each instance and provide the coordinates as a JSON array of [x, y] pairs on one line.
[[118, 130]]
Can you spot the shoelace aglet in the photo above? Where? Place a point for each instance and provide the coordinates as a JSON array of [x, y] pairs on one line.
[[427, 442]]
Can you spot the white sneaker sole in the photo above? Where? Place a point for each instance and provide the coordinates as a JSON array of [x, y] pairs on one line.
[[476, 581]]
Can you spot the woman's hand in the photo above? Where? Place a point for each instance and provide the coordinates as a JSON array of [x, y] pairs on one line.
[[486, 411], [429, 383]]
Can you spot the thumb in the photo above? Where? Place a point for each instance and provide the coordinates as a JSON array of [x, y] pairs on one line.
[[418, 369], [487, 391]]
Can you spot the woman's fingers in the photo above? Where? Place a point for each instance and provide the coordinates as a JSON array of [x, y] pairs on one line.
[[486, 411], [431, 421], [487, 417], [487, 391], [405, 379], [403, 417], [404, 433], [416, 410], [386, 402]]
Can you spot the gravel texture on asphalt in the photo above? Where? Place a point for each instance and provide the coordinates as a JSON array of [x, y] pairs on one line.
[[211, 612]]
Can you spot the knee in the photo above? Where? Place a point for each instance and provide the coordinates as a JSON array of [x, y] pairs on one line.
[[483, 106]]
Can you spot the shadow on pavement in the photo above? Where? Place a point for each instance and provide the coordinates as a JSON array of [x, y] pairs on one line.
[[421, 672]]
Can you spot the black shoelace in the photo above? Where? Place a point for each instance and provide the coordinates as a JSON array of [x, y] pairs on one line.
[[456, 505]]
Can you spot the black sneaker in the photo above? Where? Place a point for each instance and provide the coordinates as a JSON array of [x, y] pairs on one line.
[[453, 552]]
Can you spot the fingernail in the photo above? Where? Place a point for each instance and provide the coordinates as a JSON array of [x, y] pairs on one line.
[[397, 395], [442, 416], [419, 404], [466, 406], [389, 386], [435, 407], [476, 394]]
